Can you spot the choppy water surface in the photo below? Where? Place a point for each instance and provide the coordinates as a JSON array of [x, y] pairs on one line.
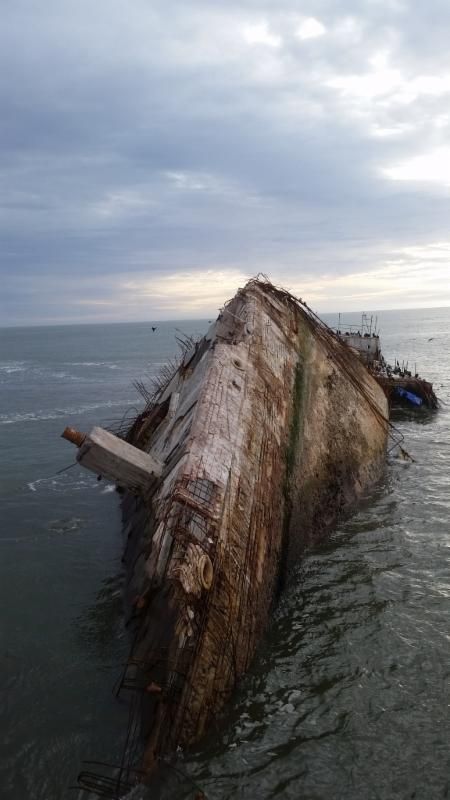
[[349, 694]]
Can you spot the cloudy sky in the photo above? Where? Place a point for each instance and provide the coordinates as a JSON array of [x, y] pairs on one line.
[[154, 155]]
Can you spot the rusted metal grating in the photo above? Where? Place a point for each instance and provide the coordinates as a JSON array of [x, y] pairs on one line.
[[201, 489]]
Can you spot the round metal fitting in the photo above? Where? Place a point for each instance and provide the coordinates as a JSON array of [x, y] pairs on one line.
[[205, 571]]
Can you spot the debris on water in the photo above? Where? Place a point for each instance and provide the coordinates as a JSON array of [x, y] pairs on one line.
[[66, 525], [398, 382]]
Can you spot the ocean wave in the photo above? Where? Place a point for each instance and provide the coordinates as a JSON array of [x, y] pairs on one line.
[[107, 364], [64, 483], [35, 371], [49, 373], [57, 413], [8, 367], [77, 480]]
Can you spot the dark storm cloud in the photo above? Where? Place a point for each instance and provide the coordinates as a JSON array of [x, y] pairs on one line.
[[146, 139]]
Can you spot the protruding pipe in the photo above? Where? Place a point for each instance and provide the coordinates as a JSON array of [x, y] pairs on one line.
[[74, 436], [205, 571], [109, 456]]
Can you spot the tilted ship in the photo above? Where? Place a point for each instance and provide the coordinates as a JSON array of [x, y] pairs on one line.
[[269, 429]]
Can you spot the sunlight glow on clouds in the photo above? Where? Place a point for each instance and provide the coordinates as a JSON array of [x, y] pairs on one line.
[[388, 85], [394, 130], [392, 283], [380, 79], [191, 293], [259, 33], [310, 28], [397, 282], [433, 167]]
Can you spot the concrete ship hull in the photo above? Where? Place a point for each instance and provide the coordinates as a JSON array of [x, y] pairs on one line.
[[267, 432]]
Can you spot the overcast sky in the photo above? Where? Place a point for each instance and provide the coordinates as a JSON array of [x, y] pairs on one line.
[[154, 155]]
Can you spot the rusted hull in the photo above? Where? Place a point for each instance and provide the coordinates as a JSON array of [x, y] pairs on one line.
[[420, 387], [268, 431]]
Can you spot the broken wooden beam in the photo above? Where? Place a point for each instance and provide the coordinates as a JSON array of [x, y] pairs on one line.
[[107, 455]]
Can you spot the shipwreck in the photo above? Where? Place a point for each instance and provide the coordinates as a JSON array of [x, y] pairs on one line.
[[268, 430], [400, 385]]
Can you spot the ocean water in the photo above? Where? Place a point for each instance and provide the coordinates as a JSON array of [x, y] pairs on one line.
[[349, 693]]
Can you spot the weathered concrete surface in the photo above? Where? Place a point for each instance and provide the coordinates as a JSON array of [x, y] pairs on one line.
[[269, 429], [368, 346], [339, 447], [111, 457]]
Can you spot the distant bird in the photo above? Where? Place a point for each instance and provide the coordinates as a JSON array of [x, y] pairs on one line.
[[154, 329], [430, 340]]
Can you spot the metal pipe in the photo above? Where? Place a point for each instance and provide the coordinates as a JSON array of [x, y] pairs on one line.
[[74, 436]]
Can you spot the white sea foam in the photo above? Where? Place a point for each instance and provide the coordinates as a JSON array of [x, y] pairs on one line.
[[107, 364], [57, 413], [51, 374], [36, 371], [8, 367], [110, 487], [64, 482]]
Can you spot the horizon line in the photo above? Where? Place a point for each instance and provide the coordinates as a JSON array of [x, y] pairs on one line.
[[202, 319]]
